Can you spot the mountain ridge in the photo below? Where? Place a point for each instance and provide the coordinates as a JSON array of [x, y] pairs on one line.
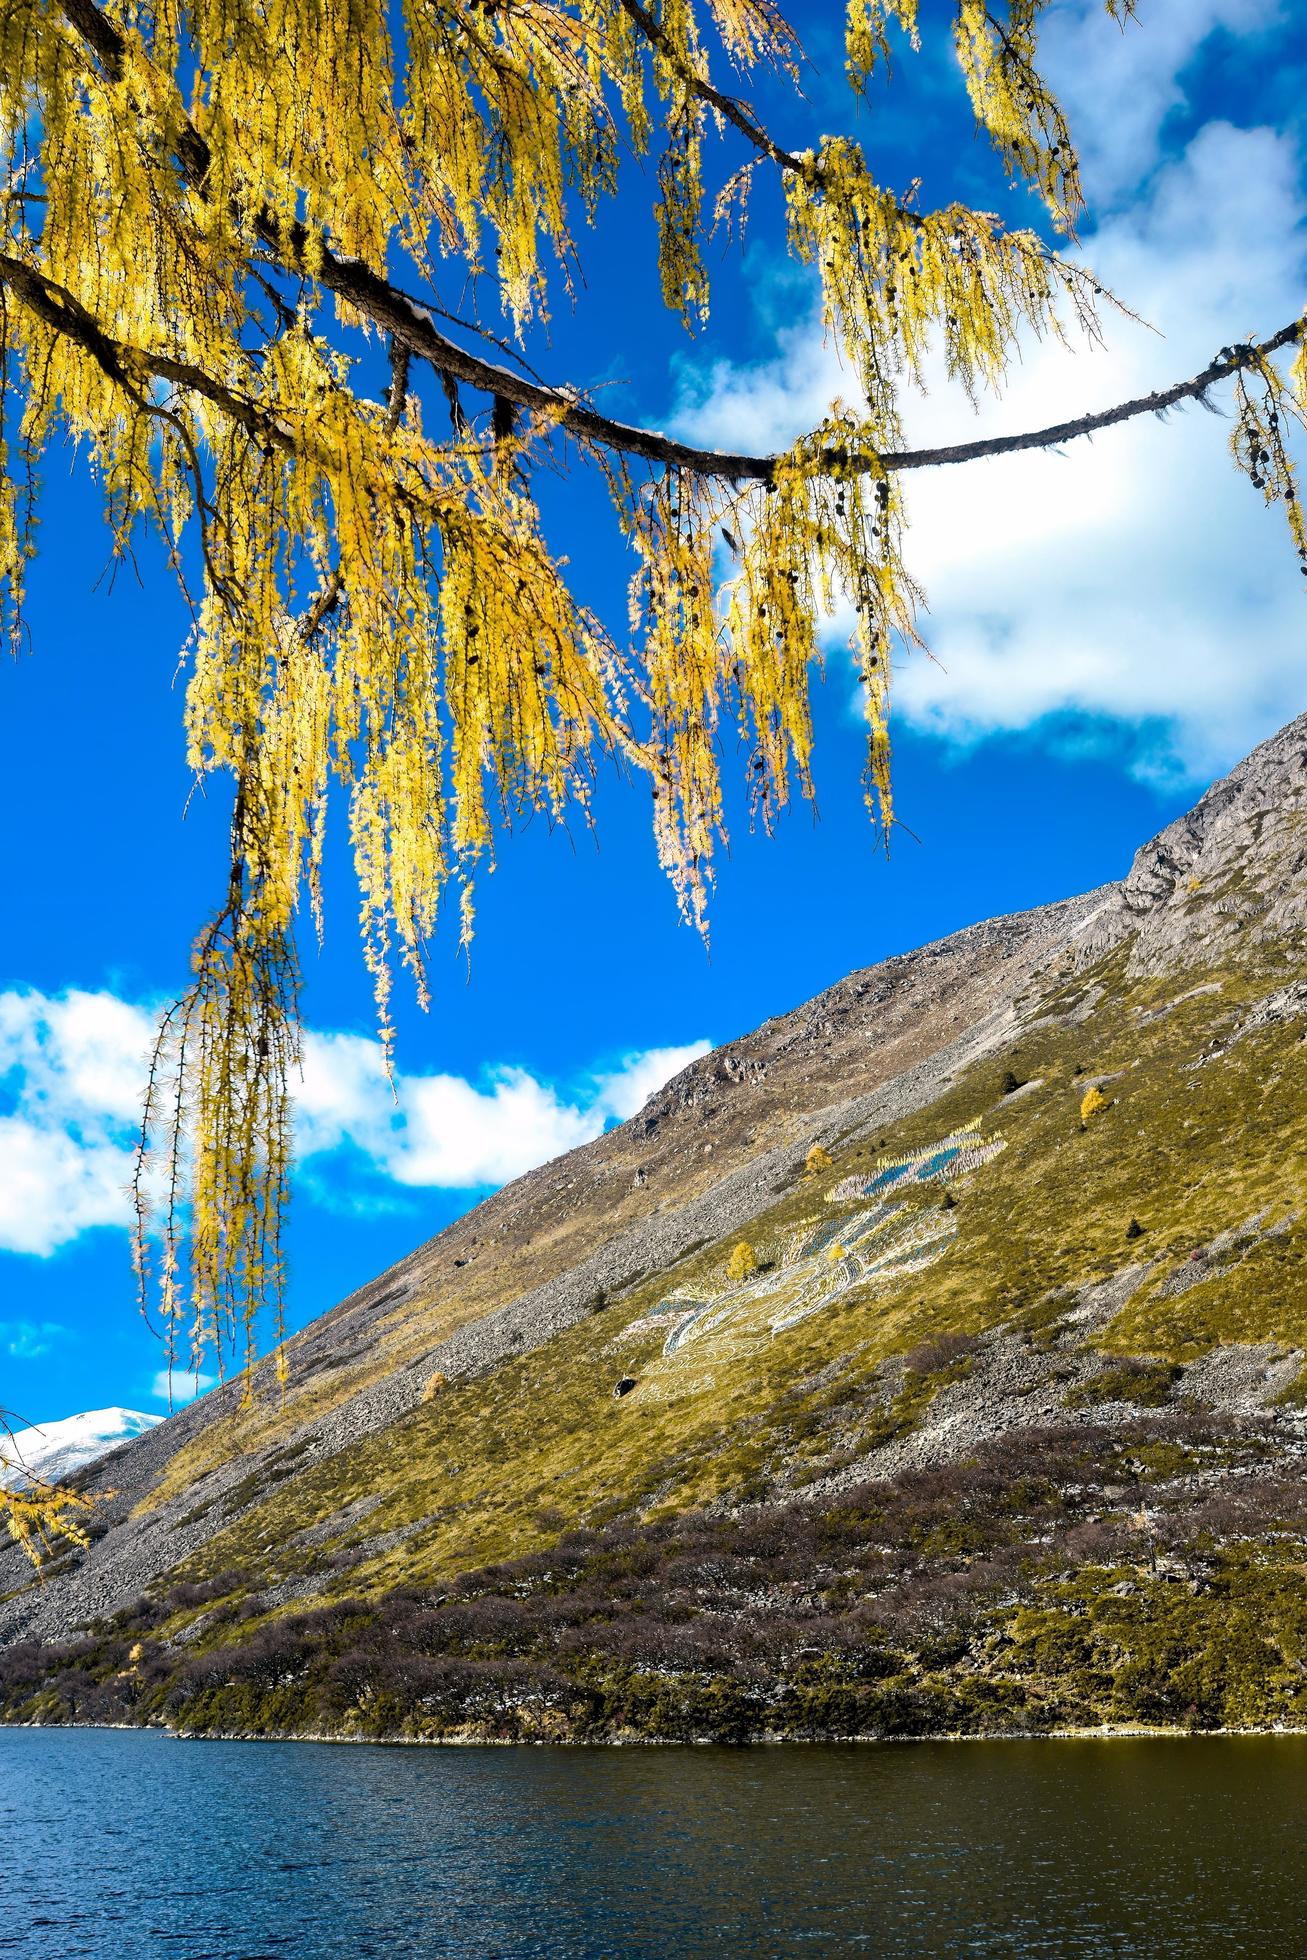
[[1019, 938], [969, 1275]]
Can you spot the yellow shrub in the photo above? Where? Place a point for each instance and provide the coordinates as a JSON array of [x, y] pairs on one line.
[[742, 1263], [1095, 1102], [818, 1159], [434, 1386]]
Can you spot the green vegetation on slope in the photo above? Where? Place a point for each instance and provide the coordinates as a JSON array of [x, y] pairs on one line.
[[495, 1466], [1050, 1582]]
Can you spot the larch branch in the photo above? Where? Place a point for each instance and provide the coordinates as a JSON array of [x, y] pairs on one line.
[[125, 364], [411, 326], [728, 106]]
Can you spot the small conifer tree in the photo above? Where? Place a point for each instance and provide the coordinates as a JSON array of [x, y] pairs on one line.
[[742, 1263], [818, 1160], [1093, 1103]]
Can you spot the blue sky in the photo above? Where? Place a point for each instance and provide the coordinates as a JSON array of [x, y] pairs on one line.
[[1110, 629]]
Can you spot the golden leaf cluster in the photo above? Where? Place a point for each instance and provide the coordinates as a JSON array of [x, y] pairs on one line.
[[37, 1514], [1093, 1103]]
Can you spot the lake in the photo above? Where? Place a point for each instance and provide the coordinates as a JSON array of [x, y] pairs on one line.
[[125, 1844]]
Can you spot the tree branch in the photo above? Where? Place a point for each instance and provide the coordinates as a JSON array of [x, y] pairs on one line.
[[67, 315], [411, 326], [728, 106], [1245, 354], [124, 364]]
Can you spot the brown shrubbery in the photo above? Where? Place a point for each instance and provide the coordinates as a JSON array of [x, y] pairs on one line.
[[873, 1610], [894, 1607]]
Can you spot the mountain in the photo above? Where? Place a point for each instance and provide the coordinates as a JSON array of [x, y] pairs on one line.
[[930, 1359], [52, 1451]]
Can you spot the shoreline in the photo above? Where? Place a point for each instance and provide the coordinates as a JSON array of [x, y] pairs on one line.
[[1113, 1733]]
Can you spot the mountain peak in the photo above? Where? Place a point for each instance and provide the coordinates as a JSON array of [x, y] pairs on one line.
[[53, 1451]]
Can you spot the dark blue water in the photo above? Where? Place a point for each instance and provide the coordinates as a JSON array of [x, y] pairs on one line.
[[120, 1845]]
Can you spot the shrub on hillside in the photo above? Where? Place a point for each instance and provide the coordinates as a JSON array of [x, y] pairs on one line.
[[941, 1351], [742, 1263]]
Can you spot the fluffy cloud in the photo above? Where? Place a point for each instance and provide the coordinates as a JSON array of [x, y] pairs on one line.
[[1135, 580], [625, 1092], [1138, 577], [72, 1073], [444, 1131], [72, 1069], [1119, 88]]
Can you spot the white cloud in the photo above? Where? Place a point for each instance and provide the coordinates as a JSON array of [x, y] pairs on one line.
[[181, 1387], [1118, 88], [455, 1134], [77, 1051], [1137, 579], [1139, 576], [54, 1184], [30, 1340], [446, 1132], [342, 1094], [72, 1071], [626, 1091]]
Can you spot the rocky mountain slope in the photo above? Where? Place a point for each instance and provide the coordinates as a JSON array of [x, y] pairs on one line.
[[996, 1420]]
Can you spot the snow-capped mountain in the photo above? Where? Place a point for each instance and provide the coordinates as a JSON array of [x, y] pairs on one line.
[[53, 1450]]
